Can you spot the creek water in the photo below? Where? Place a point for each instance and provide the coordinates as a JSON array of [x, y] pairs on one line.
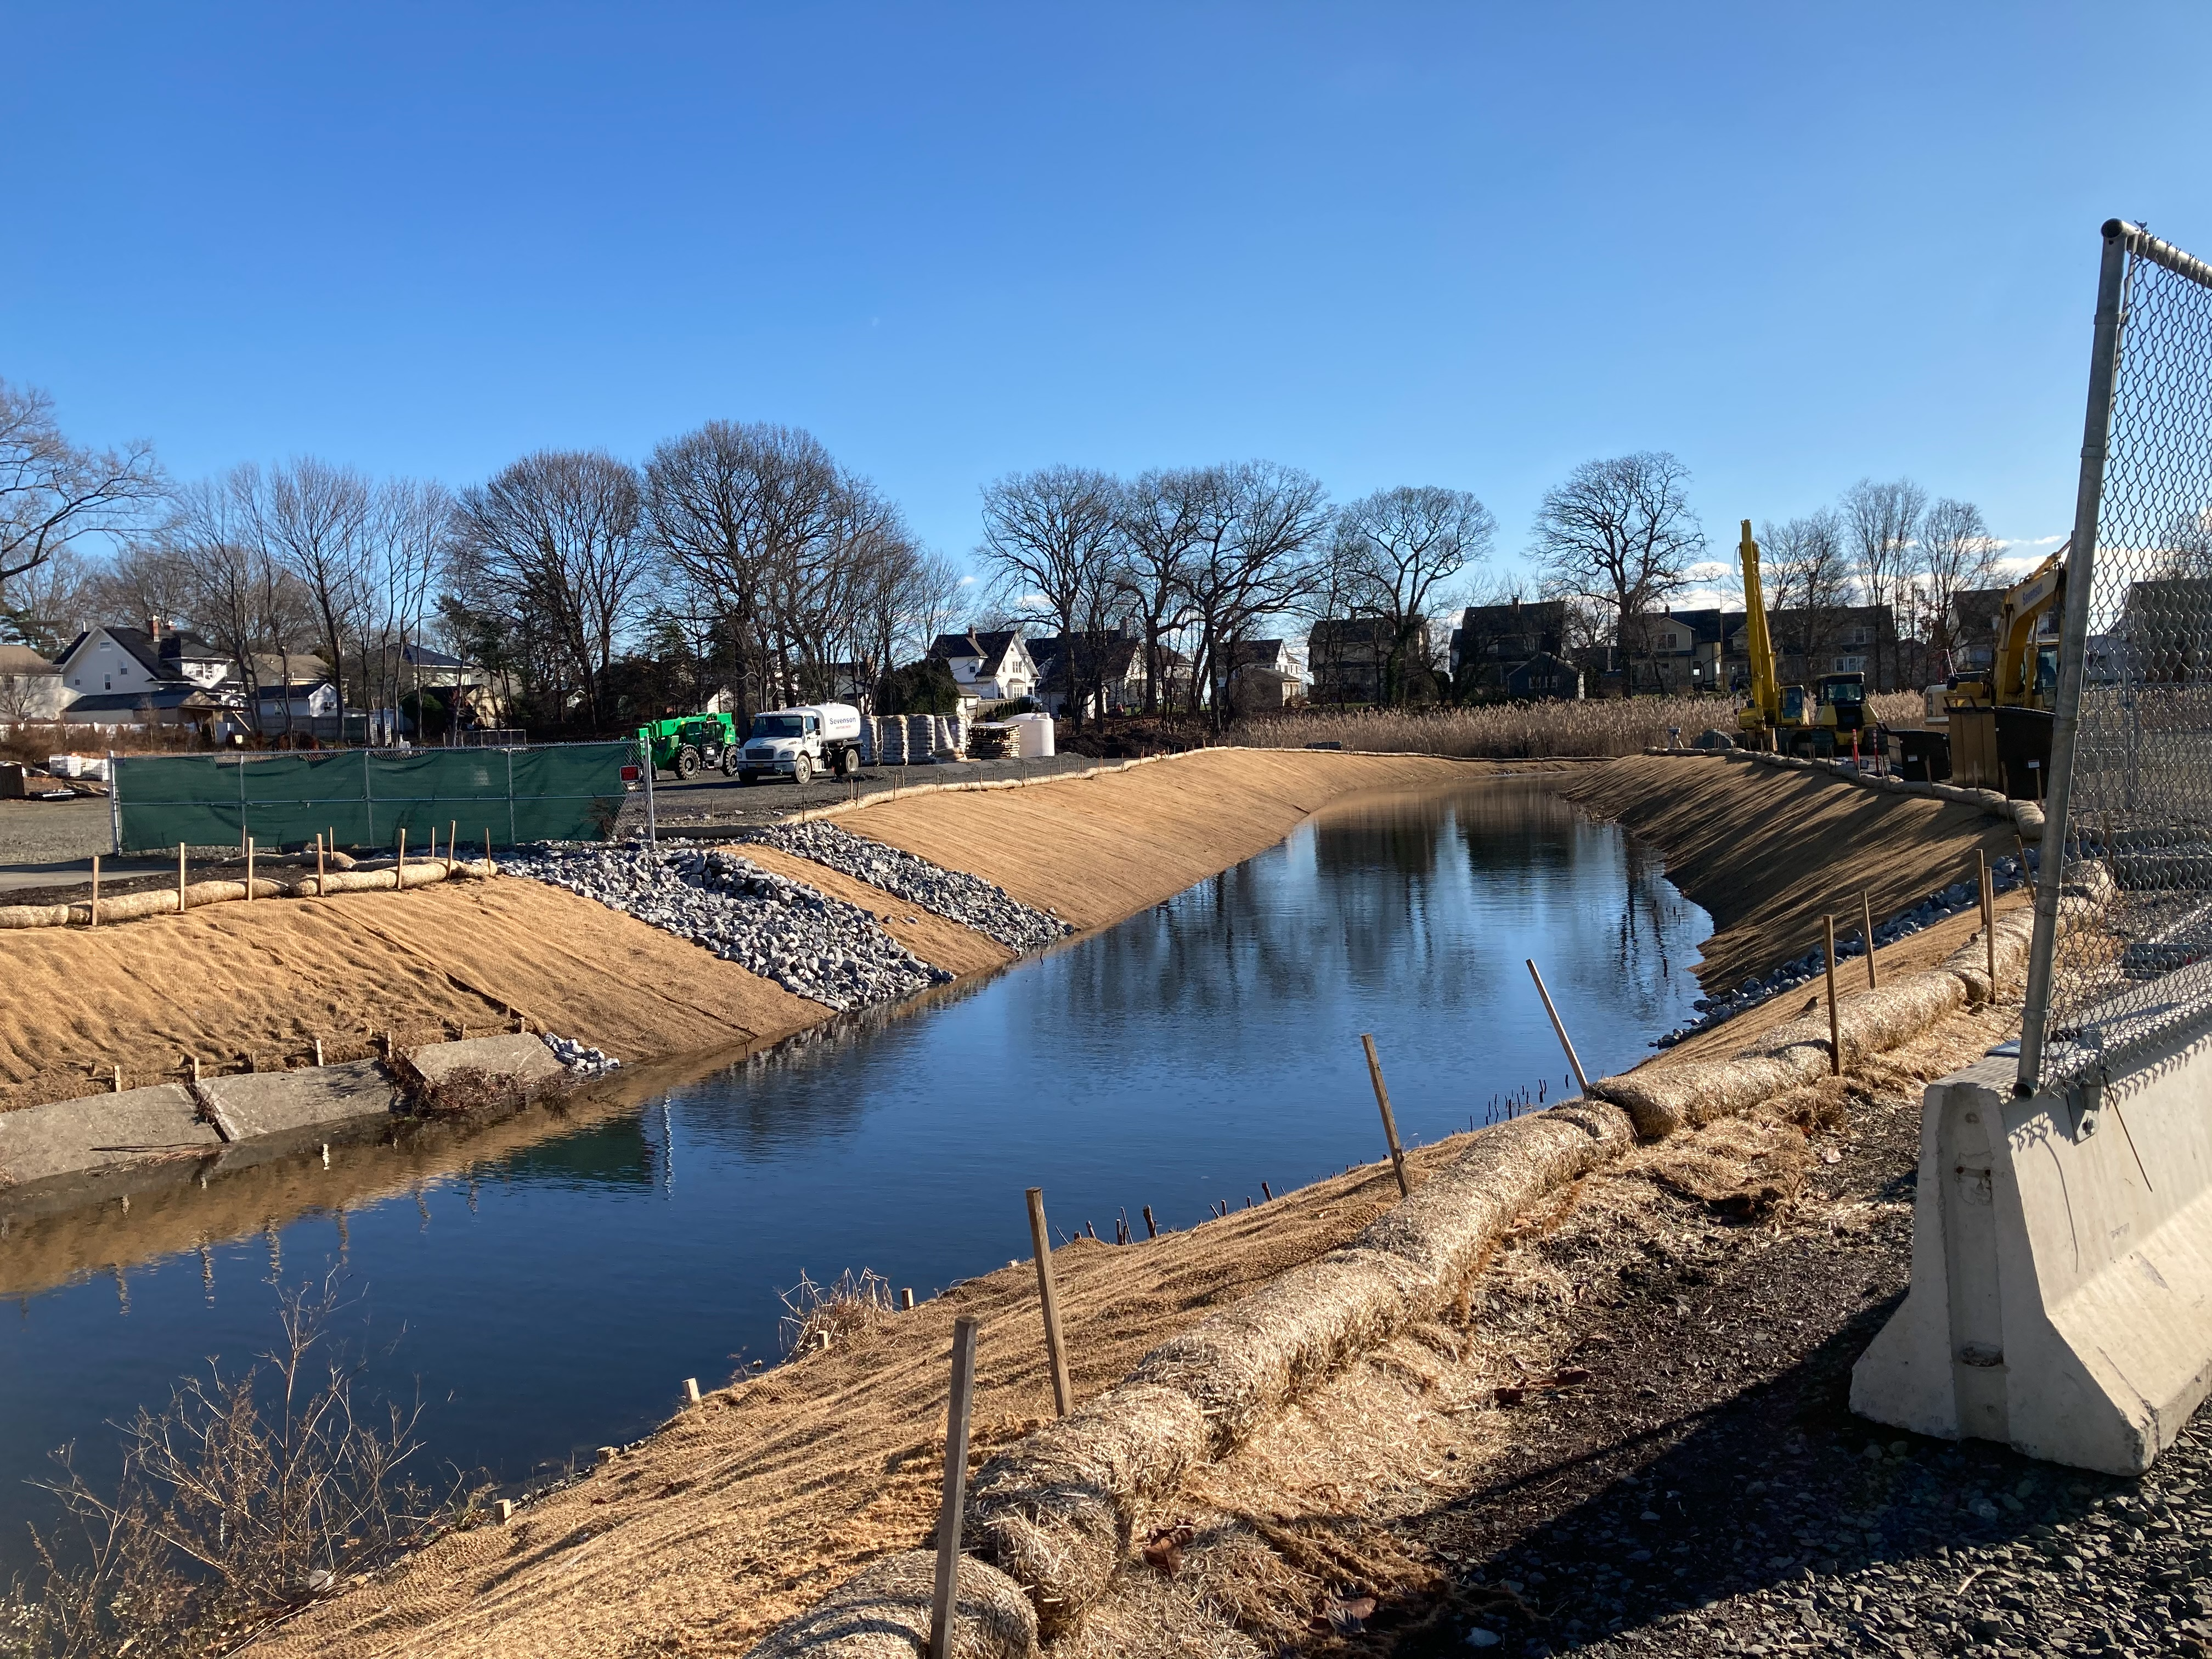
[[545, 1286]]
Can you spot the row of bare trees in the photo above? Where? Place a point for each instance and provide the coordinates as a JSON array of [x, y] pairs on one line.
[[1192, 564]]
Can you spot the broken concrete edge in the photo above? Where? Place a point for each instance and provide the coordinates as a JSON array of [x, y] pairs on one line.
[[162, 901], [94, 1134], [2061, 1296]]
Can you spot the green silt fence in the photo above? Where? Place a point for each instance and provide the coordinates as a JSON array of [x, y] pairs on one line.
[[366, 797]]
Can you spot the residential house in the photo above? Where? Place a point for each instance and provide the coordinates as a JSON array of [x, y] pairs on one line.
[[1111, 660], [1350, 658], [1545, 677], [1842, 639], [1263, 674], [156, 675], [31, 687], [1675, 652], [989, 668], [1489, 640]]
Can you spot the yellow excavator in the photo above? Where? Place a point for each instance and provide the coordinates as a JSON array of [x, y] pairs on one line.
[[2001, 718], [1785, 717]]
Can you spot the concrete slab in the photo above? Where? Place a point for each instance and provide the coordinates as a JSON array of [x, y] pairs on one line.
[[269, 1103], [523, 1060], [68, 1136], [2062, 1277]]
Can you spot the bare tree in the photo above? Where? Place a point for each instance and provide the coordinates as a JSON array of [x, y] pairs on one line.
[[1957, 552], [231, 582], [308, 516], [1161, 518], [1399, 547], [1256, 558], [1883, 520], [1810, 575], [404, 537], [743, 511], [1621, 534], [52, 492], [48, 607], [144, 580], [1050, 539], [553, 538]]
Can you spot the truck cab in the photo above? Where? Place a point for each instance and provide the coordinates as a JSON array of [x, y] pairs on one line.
[[798, 744]]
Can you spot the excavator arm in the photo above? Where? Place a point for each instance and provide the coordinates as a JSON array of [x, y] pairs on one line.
[[2012, 679], [1765, 710]]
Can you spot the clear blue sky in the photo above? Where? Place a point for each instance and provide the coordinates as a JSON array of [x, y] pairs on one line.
[[1467, 245]]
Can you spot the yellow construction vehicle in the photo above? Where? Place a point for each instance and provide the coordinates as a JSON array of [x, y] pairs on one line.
[[2000, 717], [1788, 717], [1775, 710]]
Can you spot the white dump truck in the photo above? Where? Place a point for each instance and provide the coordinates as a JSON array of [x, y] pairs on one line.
[[800, 743]]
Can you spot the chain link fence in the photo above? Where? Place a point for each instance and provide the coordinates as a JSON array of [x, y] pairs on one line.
[[2122, 951]]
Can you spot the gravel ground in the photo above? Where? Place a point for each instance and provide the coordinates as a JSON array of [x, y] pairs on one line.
[[1709, 1492], [49, 832], [969, 900], [812, 945], [711, 803], [2005, 874]]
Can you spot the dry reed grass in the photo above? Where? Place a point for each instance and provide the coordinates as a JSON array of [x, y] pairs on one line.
[[1518, 731], [829, 1315]]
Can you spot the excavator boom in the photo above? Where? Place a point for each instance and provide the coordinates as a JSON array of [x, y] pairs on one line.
[[1766, 693]]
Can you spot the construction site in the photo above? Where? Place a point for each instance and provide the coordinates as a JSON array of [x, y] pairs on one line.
[[1743, 1187]]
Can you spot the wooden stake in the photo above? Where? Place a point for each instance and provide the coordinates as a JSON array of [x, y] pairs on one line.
[[691, 1390], [452, 827], [959, 1410], [1866, 933], [906, 1301], [319, 877], [180, 878], [118, 1074], [1390, 1123], [1151, 1227], [94, 922], [486, 846], [249, 868], [1835, 1032], [1988, 919], [1266, 1193], [398, 879], [1573, 1059], [1041, 1240]]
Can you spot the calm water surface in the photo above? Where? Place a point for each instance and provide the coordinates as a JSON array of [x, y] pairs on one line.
[[547, 1284]]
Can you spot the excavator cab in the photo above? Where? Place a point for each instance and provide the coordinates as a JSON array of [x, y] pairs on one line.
[[1843, 702], [1792, 712]]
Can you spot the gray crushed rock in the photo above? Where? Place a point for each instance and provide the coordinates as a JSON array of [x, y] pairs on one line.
[[812, 945], [972, 901], [582, 1060]]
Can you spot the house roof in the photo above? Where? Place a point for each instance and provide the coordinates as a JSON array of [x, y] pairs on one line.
[[22, 660], [990, 646], [148, 650], [1116, 654], [1259, 653], [423, 656], [158, 697], [307, 669]]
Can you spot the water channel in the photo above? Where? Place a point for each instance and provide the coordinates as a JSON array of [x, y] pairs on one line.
[[547, 1283]]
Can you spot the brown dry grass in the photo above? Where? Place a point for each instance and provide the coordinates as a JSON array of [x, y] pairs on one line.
[[1516, 731], [241, 985], [737, 1516], [1769, 851]]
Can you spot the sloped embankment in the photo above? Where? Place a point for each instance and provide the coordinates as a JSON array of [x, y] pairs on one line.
[[1768, 851]]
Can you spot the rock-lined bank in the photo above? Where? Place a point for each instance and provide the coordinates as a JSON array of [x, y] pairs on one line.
[[812, 945], [972, 902]]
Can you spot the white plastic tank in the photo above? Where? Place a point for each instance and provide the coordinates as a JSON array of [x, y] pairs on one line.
[[1035, 736]]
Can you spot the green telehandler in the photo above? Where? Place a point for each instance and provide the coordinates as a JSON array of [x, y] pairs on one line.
[[684, 743]]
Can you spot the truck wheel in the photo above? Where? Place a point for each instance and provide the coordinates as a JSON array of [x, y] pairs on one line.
[[849, 762], [687, 762], [729, 763], [747, 777], [802, 771]]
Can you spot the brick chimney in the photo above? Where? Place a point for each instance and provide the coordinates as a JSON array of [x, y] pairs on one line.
[[156, 626]]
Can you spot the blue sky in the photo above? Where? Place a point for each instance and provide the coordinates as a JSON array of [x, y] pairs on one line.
[[1465, 246]]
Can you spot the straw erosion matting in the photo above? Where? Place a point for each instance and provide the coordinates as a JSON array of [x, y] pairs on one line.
[[740, 1515], [1094, 850], [1769, 851], [246, 985]]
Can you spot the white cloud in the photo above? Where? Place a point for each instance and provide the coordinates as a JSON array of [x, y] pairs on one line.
[[967, 581]]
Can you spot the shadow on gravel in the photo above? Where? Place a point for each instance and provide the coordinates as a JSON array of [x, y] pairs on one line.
[[1767, 1491]]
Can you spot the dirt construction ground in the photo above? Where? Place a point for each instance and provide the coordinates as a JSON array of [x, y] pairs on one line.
[[1637, 1444]]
